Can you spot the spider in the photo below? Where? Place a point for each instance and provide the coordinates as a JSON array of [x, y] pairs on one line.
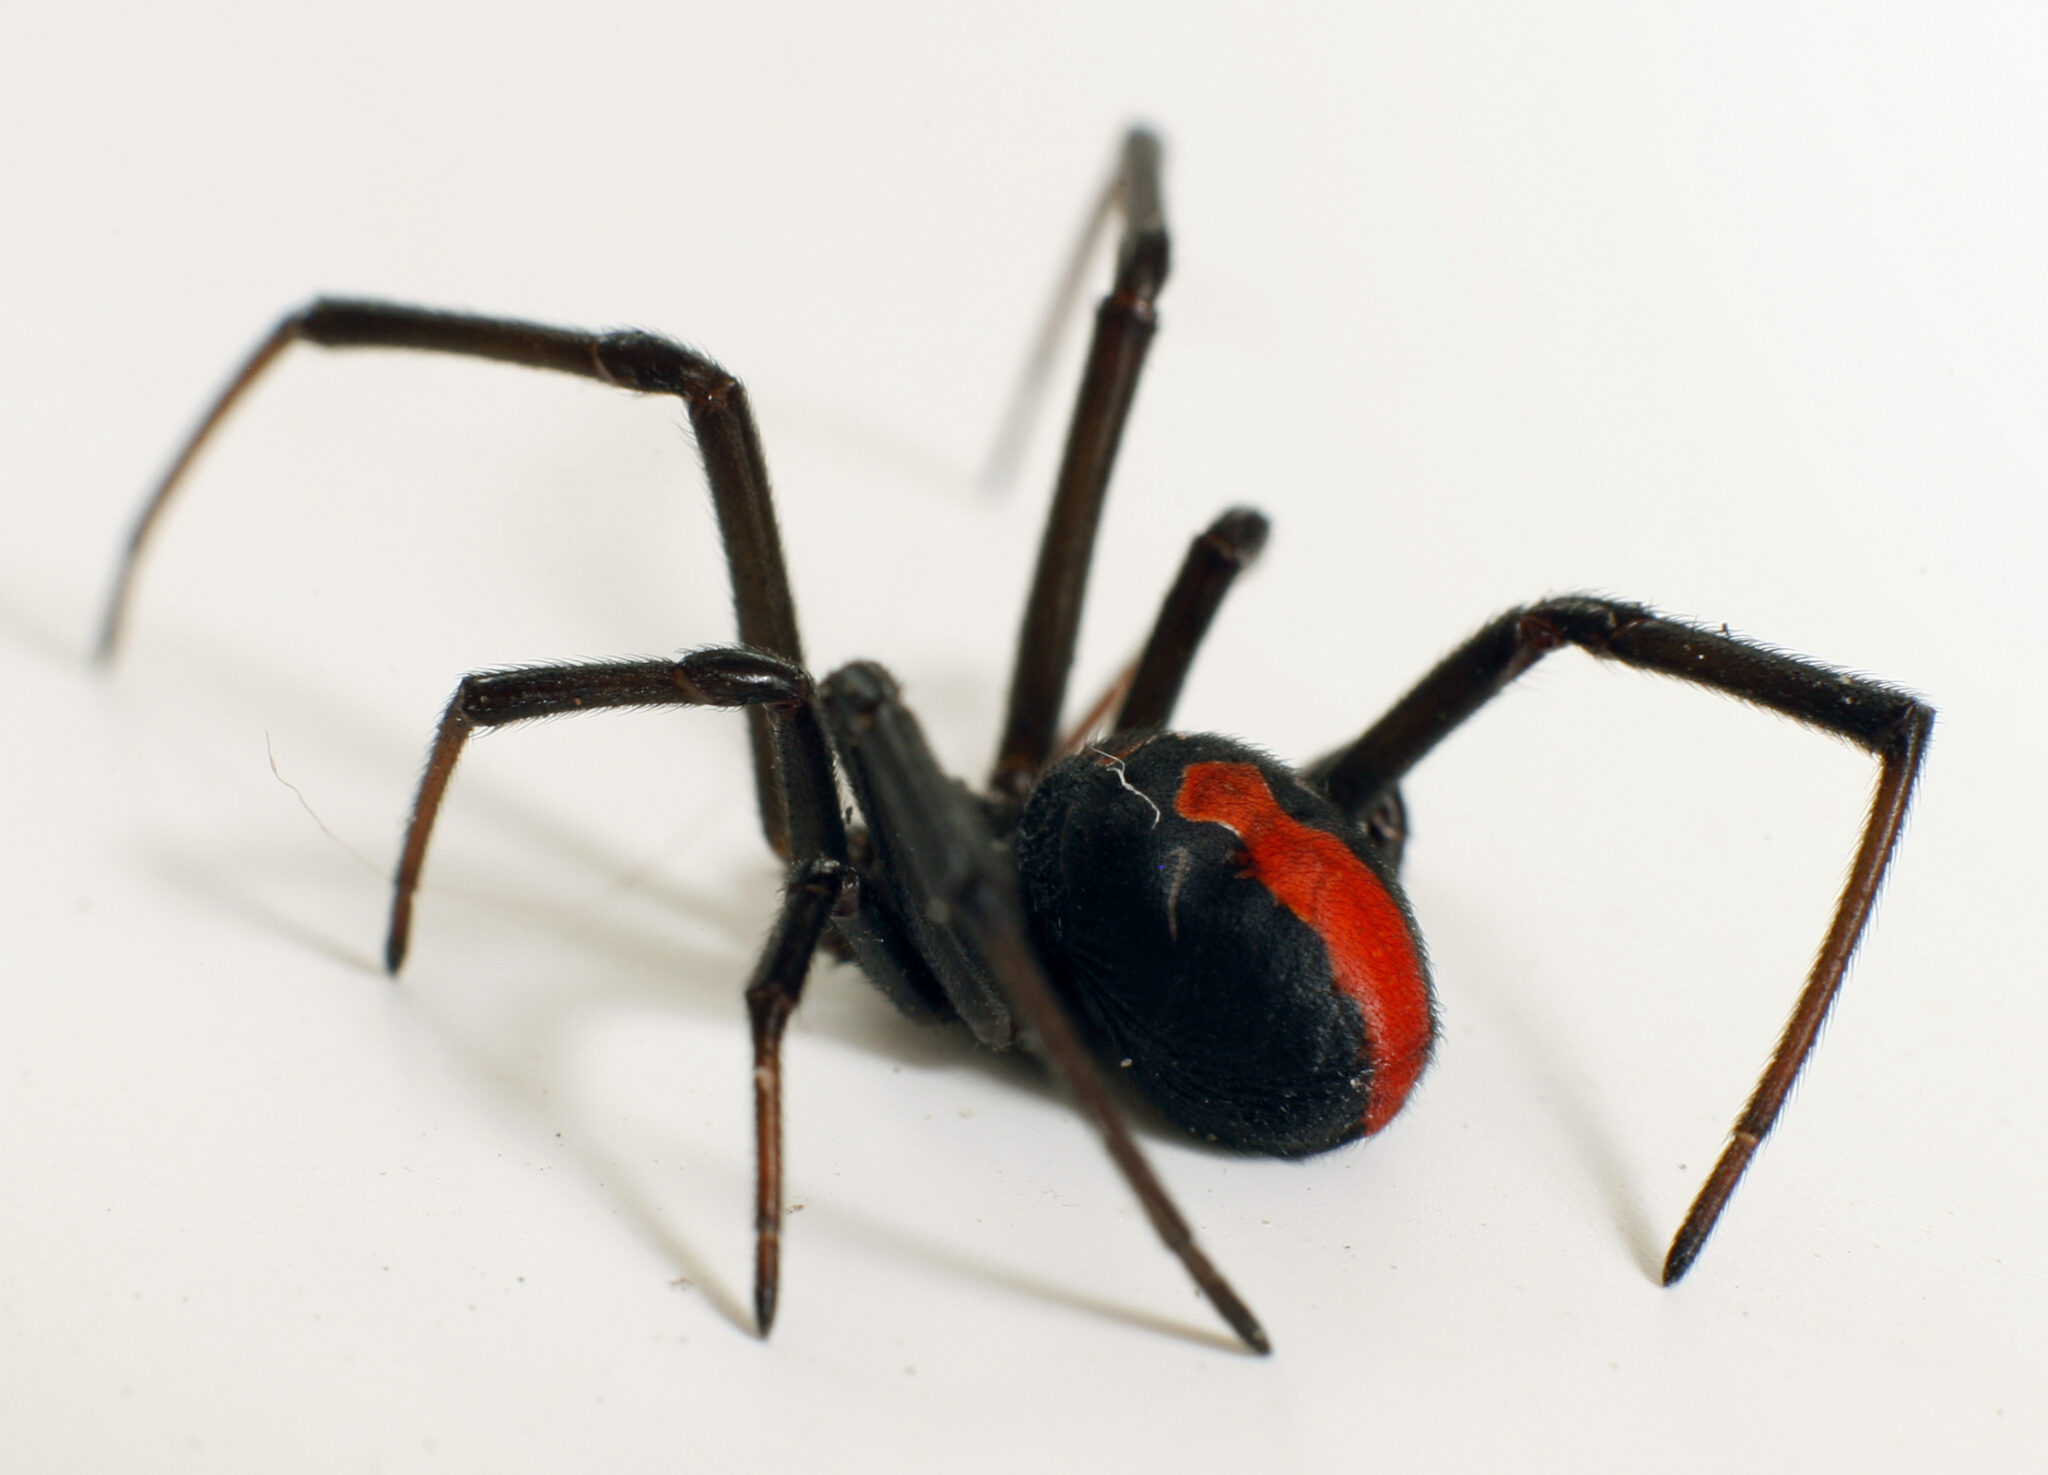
[[1228, 932]]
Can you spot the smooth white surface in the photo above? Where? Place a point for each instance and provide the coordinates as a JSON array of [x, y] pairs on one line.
[[1736, 311]]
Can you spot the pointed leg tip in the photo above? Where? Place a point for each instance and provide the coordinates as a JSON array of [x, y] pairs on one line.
[[767, 1276], [1241, 1319], [400, 937], [106, 641], [1679, 1261]]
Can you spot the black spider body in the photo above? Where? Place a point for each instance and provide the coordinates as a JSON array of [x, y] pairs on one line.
[[1225, 1005], [1244, 1019], [1228, 932]]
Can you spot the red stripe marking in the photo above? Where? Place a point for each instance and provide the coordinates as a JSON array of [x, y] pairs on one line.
[[1315, 876]]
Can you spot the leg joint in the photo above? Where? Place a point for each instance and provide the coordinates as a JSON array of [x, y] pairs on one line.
[[1593, 624], [656, 365], [1911, 729]]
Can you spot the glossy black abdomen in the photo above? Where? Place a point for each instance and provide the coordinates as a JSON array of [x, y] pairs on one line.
[[1215, 994]]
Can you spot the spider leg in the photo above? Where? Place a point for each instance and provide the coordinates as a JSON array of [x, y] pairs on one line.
[[1889, 724], [817, 889], [726, 439], [1215, 559], [716, 677], [937, 850], [1124, 324], [823, 888], [1144, 694], [1094, 724]]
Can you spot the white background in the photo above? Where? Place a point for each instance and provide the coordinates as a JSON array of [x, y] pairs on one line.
[[1733, 309]]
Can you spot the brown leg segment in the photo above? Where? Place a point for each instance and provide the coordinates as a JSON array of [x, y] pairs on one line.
[[816, 889]]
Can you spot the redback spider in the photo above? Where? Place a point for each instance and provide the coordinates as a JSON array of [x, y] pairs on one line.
[[1227, 931]]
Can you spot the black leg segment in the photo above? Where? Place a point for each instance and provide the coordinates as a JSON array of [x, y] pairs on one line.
[[1231, 544], [1889, 724], [1124, 324], [1144, 694], [734, 465], [717, 677]]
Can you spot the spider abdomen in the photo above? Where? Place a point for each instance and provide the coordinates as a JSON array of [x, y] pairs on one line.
[[1232, 939]]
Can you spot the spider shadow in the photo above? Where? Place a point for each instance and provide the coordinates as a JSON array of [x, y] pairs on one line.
[[238, 688], [892, 1238], [295, 892], [528, 1070], [26, 624], [1546, 1053], [517, 1055]]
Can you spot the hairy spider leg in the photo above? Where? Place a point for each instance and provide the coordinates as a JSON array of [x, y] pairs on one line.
[[734, 466], [1887, 723], [821, 885]]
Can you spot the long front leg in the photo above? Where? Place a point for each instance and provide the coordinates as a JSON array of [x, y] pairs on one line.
[[734, 466], [1889, 724]]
